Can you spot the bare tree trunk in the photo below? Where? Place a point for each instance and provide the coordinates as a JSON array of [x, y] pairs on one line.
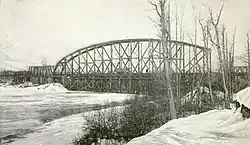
[[222, 58], [165, 35], [248, 58], [230, 66], [177, 72], [169, 68], [209, 67], [196, 83], [218, 47], [205, 29]]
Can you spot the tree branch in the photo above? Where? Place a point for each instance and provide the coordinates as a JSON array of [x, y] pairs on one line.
[[219, 16], [155, 8]]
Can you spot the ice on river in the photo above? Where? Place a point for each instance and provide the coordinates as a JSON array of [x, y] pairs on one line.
[[22, 110], [58, 132], [216, 127]]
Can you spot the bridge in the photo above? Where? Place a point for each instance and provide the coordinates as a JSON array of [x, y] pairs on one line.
[[15, 76], [41, 74], [129, 65], [241, 70]]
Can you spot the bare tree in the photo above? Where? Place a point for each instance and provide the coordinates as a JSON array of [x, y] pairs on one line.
[[248, 57], [162, 8], [218, 38], [230, 62], [205, 39], [217, 43]]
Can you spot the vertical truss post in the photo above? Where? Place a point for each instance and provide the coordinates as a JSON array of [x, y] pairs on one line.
[[79, 70], [152, 57], [86, 61], [111, 69], [138, 53], [94, 63], [120, 57], [111, 60], [72, 66], [102, 60], [183, 58]]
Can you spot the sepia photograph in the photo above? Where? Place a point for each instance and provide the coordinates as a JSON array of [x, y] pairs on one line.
[[124, 72]]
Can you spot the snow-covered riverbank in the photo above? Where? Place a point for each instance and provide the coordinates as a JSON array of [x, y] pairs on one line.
[[26, 113], [58, 132], [23, 110], [216, 127]]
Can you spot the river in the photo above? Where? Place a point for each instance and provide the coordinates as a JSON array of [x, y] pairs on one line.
[[23, 111]]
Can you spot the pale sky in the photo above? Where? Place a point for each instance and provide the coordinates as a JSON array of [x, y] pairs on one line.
[[32, 30]]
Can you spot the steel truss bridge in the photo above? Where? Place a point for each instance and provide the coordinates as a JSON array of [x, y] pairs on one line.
[[130, 65]]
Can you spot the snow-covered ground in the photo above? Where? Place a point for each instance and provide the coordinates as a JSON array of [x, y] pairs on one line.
[[58, 132], [217, 127], [243, 97], [188, 96], [23, 110]]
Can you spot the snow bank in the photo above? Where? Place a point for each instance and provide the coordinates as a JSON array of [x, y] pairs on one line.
[[243, 97], [210, 128], [188, 96], [17, 91], [57, 132], [53, 87], [215, 127]]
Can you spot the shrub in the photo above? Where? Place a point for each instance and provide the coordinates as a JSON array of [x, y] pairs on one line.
[[101, 124], [139, 116]]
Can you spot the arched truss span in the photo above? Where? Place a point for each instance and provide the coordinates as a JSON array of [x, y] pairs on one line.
[[132, 56]]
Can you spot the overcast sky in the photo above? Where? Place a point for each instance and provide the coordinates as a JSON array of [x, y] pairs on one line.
[[32, 30]]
